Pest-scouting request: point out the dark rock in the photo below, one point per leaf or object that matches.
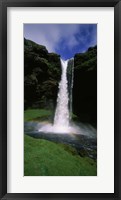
(85, 86)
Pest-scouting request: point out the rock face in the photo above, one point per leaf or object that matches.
(42, 72)
(85, 86)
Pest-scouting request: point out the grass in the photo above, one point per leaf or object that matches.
(37, 114)
(41, 114)
(45, 158)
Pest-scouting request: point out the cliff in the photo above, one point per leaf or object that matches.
(42, 72)
(85, 86)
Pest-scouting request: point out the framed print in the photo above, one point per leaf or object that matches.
(60, 99)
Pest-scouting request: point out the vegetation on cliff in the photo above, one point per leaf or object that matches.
(42, 72)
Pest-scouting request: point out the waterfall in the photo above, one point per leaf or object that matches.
(62, 111)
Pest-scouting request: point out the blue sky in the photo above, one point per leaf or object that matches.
(63, 39)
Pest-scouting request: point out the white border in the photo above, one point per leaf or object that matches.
(104, 182)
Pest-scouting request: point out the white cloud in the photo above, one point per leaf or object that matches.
(52, 35)
(57, 37)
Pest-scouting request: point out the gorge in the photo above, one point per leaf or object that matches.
(42, 72)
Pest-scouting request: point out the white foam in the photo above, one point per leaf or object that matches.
(87, 130)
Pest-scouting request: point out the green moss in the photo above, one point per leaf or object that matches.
(86, 61)
(36, 114)
(45, 158)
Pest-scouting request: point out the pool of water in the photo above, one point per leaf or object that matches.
(84, 142)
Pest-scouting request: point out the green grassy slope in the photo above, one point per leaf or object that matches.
(45, 158)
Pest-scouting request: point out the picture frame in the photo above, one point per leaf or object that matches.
(4, 4)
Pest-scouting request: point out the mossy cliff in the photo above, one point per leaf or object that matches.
(42, 72)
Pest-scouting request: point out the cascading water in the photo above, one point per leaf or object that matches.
(62, 111)
(61, 122)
